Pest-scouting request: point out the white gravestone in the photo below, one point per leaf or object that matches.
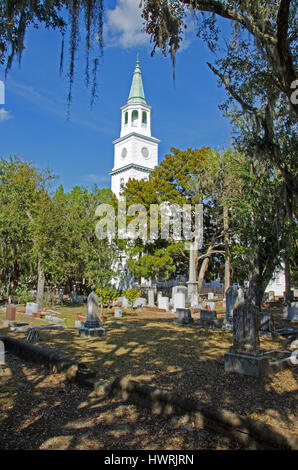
(163, 303)
(179, 301)
(31, 307)
(150, 298)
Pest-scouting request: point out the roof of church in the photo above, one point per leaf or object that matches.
(136, 94)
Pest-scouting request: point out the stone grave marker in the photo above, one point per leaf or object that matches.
(290, 312)
(234, 297)
(245, 356)
(125, 302)
(210, 295)
(266, 324)
(31, 308)
(208, 319)
(11, 312)
(93, 325)
(183, 317)
(2, 353)
(271, 296)
(140, 302)
(179, 301)
(163, 303)
(117, 312)
(151, 298)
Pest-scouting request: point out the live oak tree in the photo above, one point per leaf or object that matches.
(270, 23)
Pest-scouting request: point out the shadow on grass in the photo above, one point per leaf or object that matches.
(187, 360)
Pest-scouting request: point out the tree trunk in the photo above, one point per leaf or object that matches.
(288, 293)
(227, 248)
(203, 270)
(40, 284)
(101, 302)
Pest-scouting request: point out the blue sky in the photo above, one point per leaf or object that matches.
(33, 122)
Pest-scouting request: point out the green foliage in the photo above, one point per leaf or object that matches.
(108, 294)
(131, 294)
(23, 294)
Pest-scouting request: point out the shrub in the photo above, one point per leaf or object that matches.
(131, 294)
(24, 295)
(108, 294)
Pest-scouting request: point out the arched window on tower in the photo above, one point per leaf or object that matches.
(144, 118)
(134, 117)
(126, 118)
(121, 182)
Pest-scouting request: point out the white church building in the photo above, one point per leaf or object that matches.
(135, 151)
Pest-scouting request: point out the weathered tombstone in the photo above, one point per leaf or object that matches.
(271, 296)
(31, 308)
(151, 298)
(125, 302)
(245, 356)
(179, 301)
(211, 306)
(2, 353)
(163, 303)
(93, 325)
(117, 312)
(61, 294)
(266, 324)
(210, 295)
(208, 319)
(234, 296)
(140, 302)
(74, 295)
(290, 312)
(183, 317)
(11, 312)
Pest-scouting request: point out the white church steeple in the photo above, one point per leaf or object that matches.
(136, 151)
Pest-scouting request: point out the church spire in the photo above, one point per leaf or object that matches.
(136, 94)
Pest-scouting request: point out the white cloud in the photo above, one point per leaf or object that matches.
(124, 25)
(4, 115)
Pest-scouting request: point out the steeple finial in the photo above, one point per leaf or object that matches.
(136, 94)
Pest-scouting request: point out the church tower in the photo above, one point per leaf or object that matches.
(135, 151)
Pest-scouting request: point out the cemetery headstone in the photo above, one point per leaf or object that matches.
(2, 353)
(93, 325)
(183, 317)
(125, 302)
(290, 312)
(245, 356)
(271, 296)
(234, 297)
(31, 308)
(117, 312)
(61, 294)
(266, 324)
(74, 295)
(208, 319)
(163, 303)
(11, 312)
(210, 305)
(140, 302)
(210, 295)
(151, 298)
(179, 301)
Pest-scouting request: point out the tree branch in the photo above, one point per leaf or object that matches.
(285, 59)
(213, 6)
